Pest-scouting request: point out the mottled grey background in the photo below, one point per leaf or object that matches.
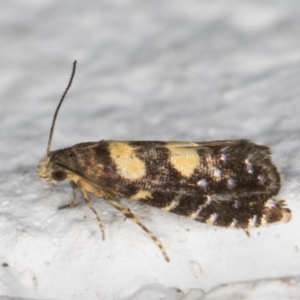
(147, 70)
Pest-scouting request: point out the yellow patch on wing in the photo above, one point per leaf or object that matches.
(184, 157)
(128, 164)
(140, 195)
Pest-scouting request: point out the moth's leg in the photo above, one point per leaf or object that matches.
(128, 214)
(74, 200)
(88, 201)
(247, 232)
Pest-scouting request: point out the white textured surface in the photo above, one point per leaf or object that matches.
(275, 289)
(147, 70)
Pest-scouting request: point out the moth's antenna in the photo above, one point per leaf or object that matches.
(59, 105)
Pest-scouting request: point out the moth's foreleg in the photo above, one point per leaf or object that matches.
(74, 200)
(128, 214)
(89, 203)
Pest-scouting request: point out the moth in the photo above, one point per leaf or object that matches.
(230, 183)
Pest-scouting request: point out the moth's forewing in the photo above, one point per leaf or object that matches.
(223, 182)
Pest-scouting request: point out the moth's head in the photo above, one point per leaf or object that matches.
(50, 169)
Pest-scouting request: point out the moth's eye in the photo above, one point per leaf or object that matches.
(59, 175)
